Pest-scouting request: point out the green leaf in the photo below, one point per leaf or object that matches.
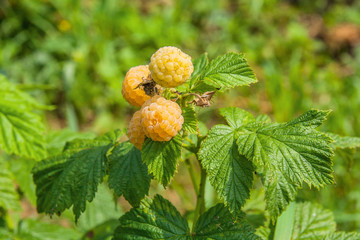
(343, 236)
(280, 191)
(202, 87)
(80, 143)
(230, 173)
(236, 117)
(20, 128)
(103, 231)
(344, 142)
(56, 140)
(36, 230)
(289, 153)
(263, 118)
(218, 223)
(302, 153)
(230, 70)
(312, 118)
(190, 120)
(162, 157)
(154, 219)
(14, 95)
(196, 83)
(263, 232)
(9, 198)
(312, 222)
(102, 209)
(292, 153)
(21, 170)
(309, 222)
(199, 66)
(71, 178)
(128, 175)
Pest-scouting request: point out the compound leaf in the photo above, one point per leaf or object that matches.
(292, 154)
(72, 177)
(154, 219)
(230, 173)
(128, 175)
(288, 154)
(20, 128)
(229, 70)
(162, 157)
(218, 223)
(312, 222)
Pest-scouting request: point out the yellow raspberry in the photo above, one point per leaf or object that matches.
(132, 93)
(135, 131)
(161, 119)
(170, 67)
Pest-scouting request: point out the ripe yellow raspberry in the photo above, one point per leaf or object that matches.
(135, 131)
(170, 67)
(132, 93)
(161, 119)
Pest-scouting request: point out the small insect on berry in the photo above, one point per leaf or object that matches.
(133, 89)
(161, 119)
(170, 67)
(151, 88)
(135, 131)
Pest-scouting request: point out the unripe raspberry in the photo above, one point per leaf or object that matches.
(131, 91)
(135, 131)
(161, 119)
(170, 67)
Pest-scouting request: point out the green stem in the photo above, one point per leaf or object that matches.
(192, 175)
(200, 202)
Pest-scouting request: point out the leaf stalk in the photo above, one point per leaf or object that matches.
(200, 202)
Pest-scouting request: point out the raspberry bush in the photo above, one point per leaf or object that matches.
(247, 159)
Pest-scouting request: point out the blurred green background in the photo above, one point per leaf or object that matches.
(306, 54)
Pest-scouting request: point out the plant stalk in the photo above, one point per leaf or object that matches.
(200, 202)
(192, 175)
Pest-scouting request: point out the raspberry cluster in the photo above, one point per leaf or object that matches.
(159, 119)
